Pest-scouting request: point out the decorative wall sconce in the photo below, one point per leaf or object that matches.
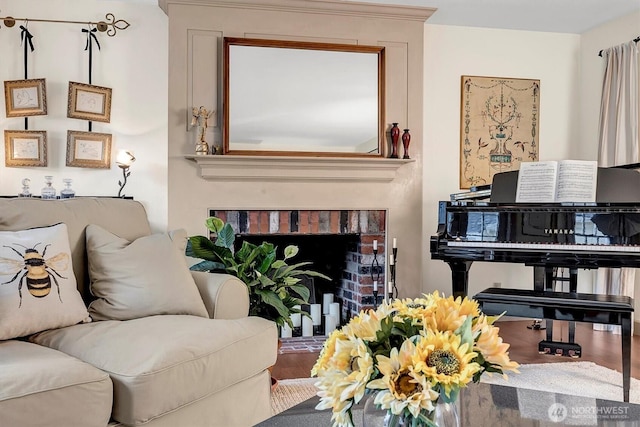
(124, 160)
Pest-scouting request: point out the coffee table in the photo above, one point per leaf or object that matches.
(490, 405)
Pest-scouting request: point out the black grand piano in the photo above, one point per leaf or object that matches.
(547, 237)
(570, 235)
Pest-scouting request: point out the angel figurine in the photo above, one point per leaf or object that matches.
(200, 118)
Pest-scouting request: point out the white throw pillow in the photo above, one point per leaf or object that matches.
(37, 285)
(146, 277)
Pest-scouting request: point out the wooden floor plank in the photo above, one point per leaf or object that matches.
(599, 347)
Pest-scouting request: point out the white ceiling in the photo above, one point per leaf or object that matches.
(557, 16)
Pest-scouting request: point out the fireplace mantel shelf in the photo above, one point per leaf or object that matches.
(358, 169)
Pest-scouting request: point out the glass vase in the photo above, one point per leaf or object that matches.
(444, 415)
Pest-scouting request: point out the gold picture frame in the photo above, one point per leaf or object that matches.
(499, 126)
(25, 97)
(25, 147)
(89, 102)
(88, 149)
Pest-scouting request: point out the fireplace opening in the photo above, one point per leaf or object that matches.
(328, 254)
(338, 243)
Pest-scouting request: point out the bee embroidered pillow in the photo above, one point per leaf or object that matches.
(37, 285)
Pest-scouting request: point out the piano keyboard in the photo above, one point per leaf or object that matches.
(544, 246)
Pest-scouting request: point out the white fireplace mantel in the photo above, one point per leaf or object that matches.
(247, 168)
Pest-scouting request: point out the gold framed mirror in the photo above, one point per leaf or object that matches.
(293, 98)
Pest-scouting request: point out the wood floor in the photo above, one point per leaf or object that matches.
(599, 347)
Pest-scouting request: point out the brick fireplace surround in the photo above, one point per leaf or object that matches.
(354, 290)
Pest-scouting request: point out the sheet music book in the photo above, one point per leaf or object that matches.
(557, 181)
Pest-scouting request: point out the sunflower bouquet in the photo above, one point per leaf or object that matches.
(414, 352)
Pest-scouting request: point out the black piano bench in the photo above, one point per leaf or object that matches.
(590, 308)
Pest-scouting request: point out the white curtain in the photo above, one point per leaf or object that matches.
(618, 144)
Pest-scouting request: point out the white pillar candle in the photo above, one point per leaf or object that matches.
(395, 243)
(334, 310)
(375, 245)
(285, 331)
(375, 286)
(329, 324)
(307, 327)
(390, 290)
(316, 314)
(391, 259)
(295, 318)
(327, 299)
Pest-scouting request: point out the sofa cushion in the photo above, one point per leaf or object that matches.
(161, 363)
(139, 278)
(44, 387)
(126, 218)
(37, 286)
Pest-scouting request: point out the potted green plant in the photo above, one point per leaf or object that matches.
(275, 288)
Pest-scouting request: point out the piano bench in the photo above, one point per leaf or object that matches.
(590, 308)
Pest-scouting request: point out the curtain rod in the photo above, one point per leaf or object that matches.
(110, 26)
(636, 40)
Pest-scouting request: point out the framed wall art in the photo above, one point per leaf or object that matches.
(25, 147)
(25, 97)
(89, 102)
(499, 126)
(88, 149)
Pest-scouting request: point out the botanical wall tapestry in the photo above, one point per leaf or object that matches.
(499, 127)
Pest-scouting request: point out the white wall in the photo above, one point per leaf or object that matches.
(133, 64)
(451, 52)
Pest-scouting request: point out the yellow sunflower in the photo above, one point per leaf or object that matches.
(491, 346)
(449, 313)
(446, 362)
(363, 326)
(417, 309)
(342, 382)
(330, 387)
(327, 352)
(401, 386)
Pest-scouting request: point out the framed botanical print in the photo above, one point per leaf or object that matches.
(88, 149)
(499, 127)
(25, 147)
(89, 102)
(25, 97)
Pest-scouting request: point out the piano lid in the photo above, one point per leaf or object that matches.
(615, 185)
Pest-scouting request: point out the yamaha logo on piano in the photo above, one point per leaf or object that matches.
(558, 231)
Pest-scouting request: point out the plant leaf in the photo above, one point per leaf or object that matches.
(214, 224)
(226, 237)
(301, 290)
(201, 247)
(207, 266)
(290, 251)
(271, 298)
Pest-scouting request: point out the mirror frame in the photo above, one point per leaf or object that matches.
(235, 41)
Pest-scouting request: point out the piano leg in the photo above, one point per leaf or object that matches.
(626, 354)
(459, 277)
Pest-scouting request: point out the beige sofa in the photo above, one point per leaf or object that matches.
(157, 370)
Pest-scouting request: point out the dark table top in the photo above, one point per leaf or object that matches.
(490, 405)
